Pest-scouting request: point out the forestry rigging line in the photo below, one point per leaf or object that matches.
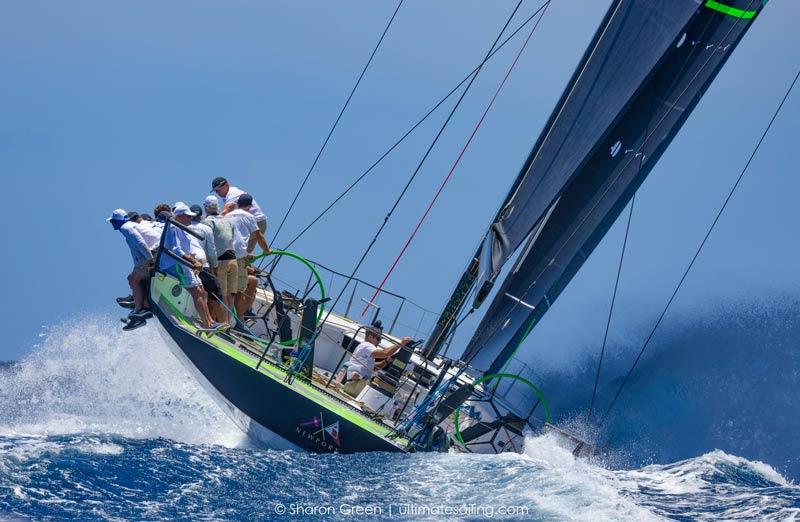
(336, 122)
(412, 129)
(457, 160)
(613, 302)
(699, 249)
(418, 168)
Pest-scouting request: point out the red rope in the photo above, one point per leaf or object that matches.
(456, 162)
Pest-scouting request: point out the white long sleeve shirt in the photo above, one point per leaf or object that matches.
(139, 252)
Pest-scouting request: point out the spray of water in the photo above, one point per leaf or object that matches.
(87, 376)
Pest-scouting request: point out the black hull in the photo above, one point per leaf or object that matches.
(280, 409)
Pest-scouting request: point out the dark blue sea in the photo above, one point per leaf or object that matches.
(100, 425)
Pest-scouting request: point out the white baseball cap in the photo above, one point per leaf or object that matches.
(118, 215)
(211, 202)
(182, 209)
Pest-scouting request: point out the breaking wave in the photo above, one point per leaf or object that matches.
(90, 377)
(100, 425)
(91, 477)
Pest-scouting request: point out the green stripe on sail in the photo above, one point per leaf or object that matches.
(730, 11)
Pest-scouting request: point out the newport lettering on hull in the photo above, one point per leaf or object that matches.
(324, 437)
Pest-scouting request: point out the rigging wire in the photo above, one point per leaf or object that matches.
(419, 166)
(619, 174)
(700, 248)
(413, 128)
(613, 301)
(458, 159)
(336, 122)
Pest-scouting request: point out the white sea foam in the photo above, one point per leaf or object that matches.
(88, 376)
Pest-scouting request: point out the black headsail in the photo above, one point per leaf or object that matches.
(645, 70)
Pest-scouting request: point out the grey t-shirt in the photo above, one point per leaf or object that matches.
(223, 233)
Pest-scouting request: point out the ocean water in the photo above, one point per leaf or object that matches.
(100, 425)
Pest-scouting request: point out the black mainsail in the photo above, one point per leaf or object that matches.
(646, 68)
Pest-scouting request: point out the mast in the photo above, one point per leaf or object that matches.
(646, 68)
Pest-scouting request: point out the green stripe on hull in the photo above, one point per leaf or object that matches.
(276, 374)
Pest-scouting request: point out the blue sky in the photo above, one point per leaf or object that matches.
(113, 104)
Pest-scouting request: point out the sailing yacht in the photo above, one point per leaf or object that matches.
(280, 379)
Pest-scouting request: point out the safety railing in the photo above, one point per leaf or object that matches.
(161, 251)
(518, 396)
(402, 315)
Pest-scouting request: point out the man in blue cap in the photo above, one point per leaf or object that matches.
(142, 262)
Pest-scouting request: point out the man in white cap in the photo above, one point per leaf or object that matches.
(177, 242)
(231, 196)
(142, 261)
(227, 267)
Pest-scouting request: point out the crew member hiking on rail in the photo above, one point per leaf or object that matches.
(142, 262)
(207, 251)
(177, 242)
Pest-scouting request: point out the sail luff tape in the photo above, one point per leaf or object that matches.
(730, 11)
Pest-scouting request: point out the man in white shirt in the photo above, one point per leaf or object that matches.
(231, 195)
(177, 241)
(150, 233)
(142, 261)
(245, 229)
(367, 357)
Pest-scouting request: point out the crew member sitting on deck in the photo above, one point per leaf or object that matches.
(366, 358)
(231, 196)
(177, 242)
(246, 229)
(142, 261)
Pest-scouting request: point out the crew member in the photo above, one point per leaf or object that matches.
(177, 242)
(150, 232)
(142, 261)
(207, 252)
(227, 269)
(245, 230)
(231, 195)
(367, 357)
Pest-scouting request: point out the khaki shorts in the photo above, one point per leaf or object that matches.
(241, 275)
(354, 388)
(251, 243)
(228, 276)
